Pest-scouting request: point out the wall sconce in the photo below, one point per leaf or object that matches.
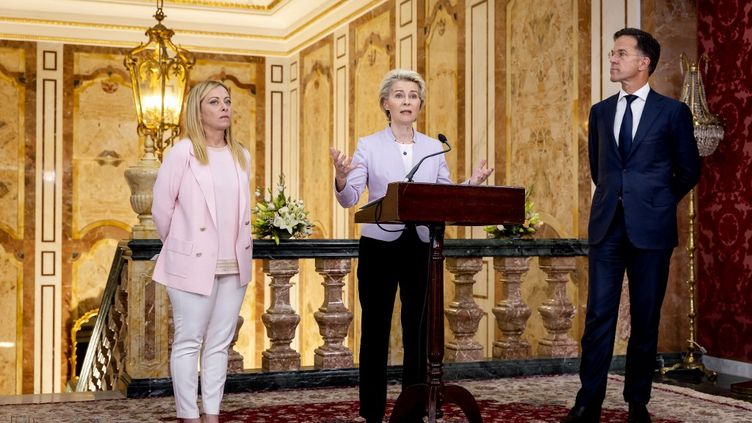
(708, 128)
(159, 77)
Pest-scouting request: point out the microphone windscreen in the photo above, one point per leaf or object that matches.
(442, 138)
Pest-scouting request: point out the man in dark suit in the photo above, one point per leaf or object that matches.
(643, 160)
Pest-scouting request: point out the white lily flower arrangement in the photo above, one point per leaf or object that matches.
(279, 216)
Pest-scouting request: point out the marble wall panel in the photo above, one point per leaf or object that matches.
(105, 143)
(241, 75)
(372, 47)
(540, 146)
(11, 278)
(541, 90)
(443, 72)
(372, 56)
(316, 177)
(99, 142)
(316, 123)
(17, 128)
(89, 276)
(674, 24)
(12, 140)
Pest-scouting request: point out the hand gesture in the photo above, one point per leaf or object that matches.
(481, 173)
(342, 167)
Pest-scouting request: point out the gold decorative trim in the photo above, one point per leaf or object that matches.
(275, 4)
(72, 358)
(100, 42)
(124, 44)
(135, 28)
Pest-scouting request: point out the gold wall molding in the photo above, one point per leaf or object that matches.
(268, 7)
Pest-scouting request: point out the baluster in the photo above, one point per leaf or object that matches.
(234, 358)
(333, 317)
(463, 313)
(557, 311)
(511, 312)
(280, 319)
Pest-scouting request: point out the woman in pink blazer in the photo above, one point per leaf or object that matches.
(392, 255)
(201, 208)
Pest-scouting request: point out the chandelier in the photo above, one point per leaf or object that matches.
(159, 76)
(708, 127)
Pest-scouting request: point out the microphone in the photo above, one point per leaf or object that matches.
(443, 139)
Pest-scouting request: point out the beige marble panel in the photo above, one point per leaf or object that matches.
(12, 59)
(90, 272)
(674, 24)
(104, 145)
(444, 77)
(316, 178)
(10, 279)
(372, 51)
(542, 129)
(241, 75)
(541, 91)
(12, 141)
(316, 118)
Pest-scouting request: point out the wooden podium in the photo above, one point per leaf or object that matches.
(435, 206)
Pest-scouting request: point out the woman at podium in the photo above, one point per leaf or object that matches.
(393, 255)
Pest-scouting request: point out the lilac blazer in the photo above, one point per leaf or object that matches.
(379, 163)
(185, 214)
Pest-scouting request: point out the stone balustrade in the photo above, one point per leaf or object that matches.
(511, 260)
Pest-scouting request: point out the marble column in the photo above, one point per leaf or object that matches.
(148, 322)
(333, 317)
(463, 313)
(280, 319)
(557, 311)
(511, 312)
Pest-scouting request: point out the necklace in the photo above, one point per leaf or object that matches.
(410, 141)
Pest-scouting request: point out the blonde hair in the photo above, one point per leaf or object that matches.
(194, 127)
(395, 75)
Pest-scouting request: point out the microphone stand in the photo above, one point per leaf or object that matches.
(443, 139)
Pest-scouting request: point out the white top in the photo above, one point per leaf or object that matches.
(406, 152)
(225, 178)
(638, 105)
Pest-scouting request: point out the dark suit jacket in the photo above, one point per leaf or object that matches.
(662, 166)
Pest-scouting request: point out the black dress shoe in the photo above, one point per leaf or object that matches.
(582, 414)
(638, 413)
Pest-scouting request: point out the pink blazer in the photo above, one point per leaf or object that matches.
(185, 214)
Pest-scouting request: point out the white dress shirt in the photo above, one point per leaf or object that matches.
(638, 105)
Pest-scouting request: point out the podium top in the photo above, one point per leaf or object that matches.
(464, 205)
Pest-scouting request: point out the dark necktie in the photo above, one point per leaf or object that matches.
(625, 132)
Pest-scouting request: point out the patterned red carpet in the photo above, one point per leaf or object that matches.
(512, 400)
(344, 412)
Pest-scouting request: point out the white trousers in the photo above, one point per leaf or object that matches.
(204, 326)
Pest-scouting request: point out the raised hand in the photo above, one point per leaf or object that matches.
(342, 167)
(481, 173)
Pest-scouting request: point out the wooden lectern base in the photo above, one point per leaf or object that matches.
(436, 205)
(429, 397)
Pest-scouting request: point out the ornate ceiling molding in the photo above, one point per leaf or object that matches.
(252, 27)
